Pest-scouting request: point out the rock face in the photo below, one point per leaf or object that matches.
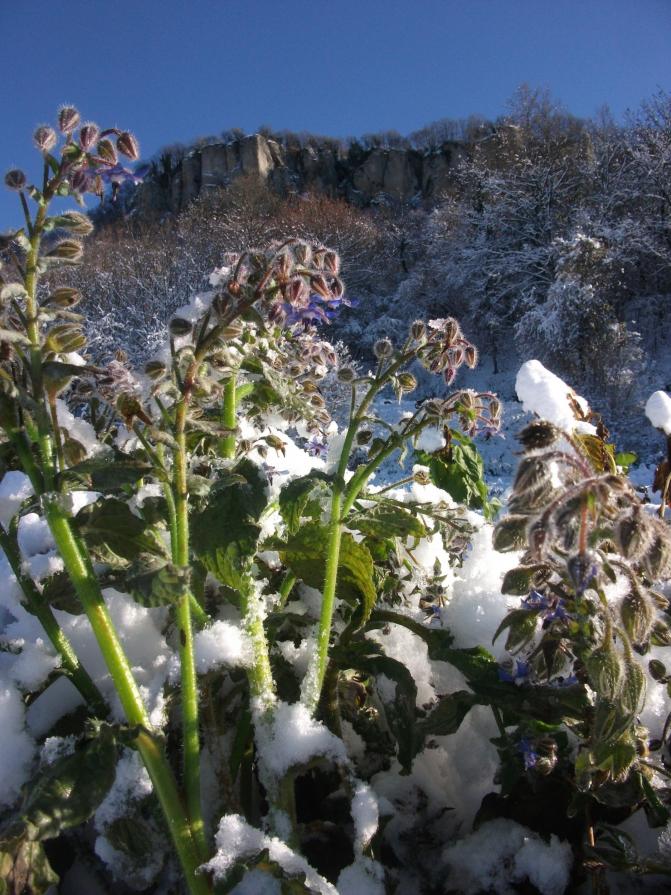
(361, 176)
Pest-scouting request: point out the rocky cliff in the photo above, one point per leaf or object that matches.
(362, 176)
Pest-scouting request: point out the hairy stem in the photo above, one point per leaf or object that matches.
(190, 723)
(229, 417)
(36, 604)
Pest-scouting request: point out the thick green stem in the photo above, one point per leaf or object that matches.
(42, 611)
(229, 417)
(189, 694)
(165, 788)
(260, 675)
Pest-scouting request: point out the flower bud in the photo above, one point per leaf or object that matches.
(298, 293)
(45, 138)
(75, 222)
(319, 285)
(420, 474)
(495, 409)
(418, 330)
(15, 179)
(582, 569)
(471, 356)
(232, 331)
(383, 349)
(363, 436)
(155, 370)
(88, 136)
(64, 338)
(633, 535)
(277, 314)
(127, 145)
(451, 330)
(64, 297)
(606, 672)
(332, 262)
(302, 253)
(68, 250)
(537, 435)
(406, 382)
(107, 152)
(637, 616)
(346, 374)
(180, 327)
(80, 181)
(337, 287)
(68, 119)
(633, 686)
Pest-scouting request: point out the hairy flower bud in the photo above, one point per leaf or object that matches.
(88, 136)
(537, 435)
(68, 119)
(346, 374)
(383, 349)
(582, 569)
(107, 152)
(80, 181)
(633, 534)
(637, 616)
(471, 356)
(75, 222)
(633, 686)
(155, 370)
(64, 297)
(319, 285)
(128, 145)
(363, 436)
(332, 262)
(67, 250)
(15, 179)
(420, 474)
(64, 338)
(418, 330)
(298, 293)
(407, 382)
(302, 253)
(180, 327)
(45, 138)
(277, 314)
(606, 671)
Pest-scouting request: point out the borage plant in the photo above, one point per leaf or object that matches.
(174, 495)
(590, 626)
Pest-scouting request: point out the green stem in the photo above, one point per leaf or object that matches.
(190, 723)
(261, 683)
(285, 589)
(229, 417)
(36, 604)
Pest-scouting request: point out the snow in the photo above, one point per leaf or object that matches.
(365, 814)
(545, 394)
(131, 784)
(501, 853)
(236, 839)
(222, 643)
(658, 411)
(291, 737)
(15, 487)
(79, 429)
(17, 748)
(364, 877)
(430, 440)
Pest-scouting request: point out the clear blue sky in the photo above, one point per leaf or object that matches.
(172, 70)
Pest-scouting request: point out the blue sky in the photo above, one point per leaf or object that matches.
(172, 70)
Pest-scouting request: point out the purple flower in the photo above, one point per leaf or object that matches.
(317, 447)
(550, 607)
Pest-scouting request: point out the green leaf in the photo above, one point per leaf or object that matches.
(386, 520)
(305, 555)
(401, 713)
(109, 472)
(625, 459)
(225, 532)
(459, 470)
(109, 523)
(447, 716)
(162, 585)
(520, 580)
(510, 533)
(59, 593)
(303, 497)
(438, 640)
(66, 793)
(521, 625)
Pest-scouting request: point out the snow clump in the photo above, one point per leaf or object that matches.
(543, 393)
(658, 411)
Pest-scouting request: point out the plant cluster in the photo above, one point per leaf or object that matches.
(223, 600)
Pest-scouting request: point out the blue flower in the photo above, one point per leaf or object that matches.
(518, 675)
(526, 747)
